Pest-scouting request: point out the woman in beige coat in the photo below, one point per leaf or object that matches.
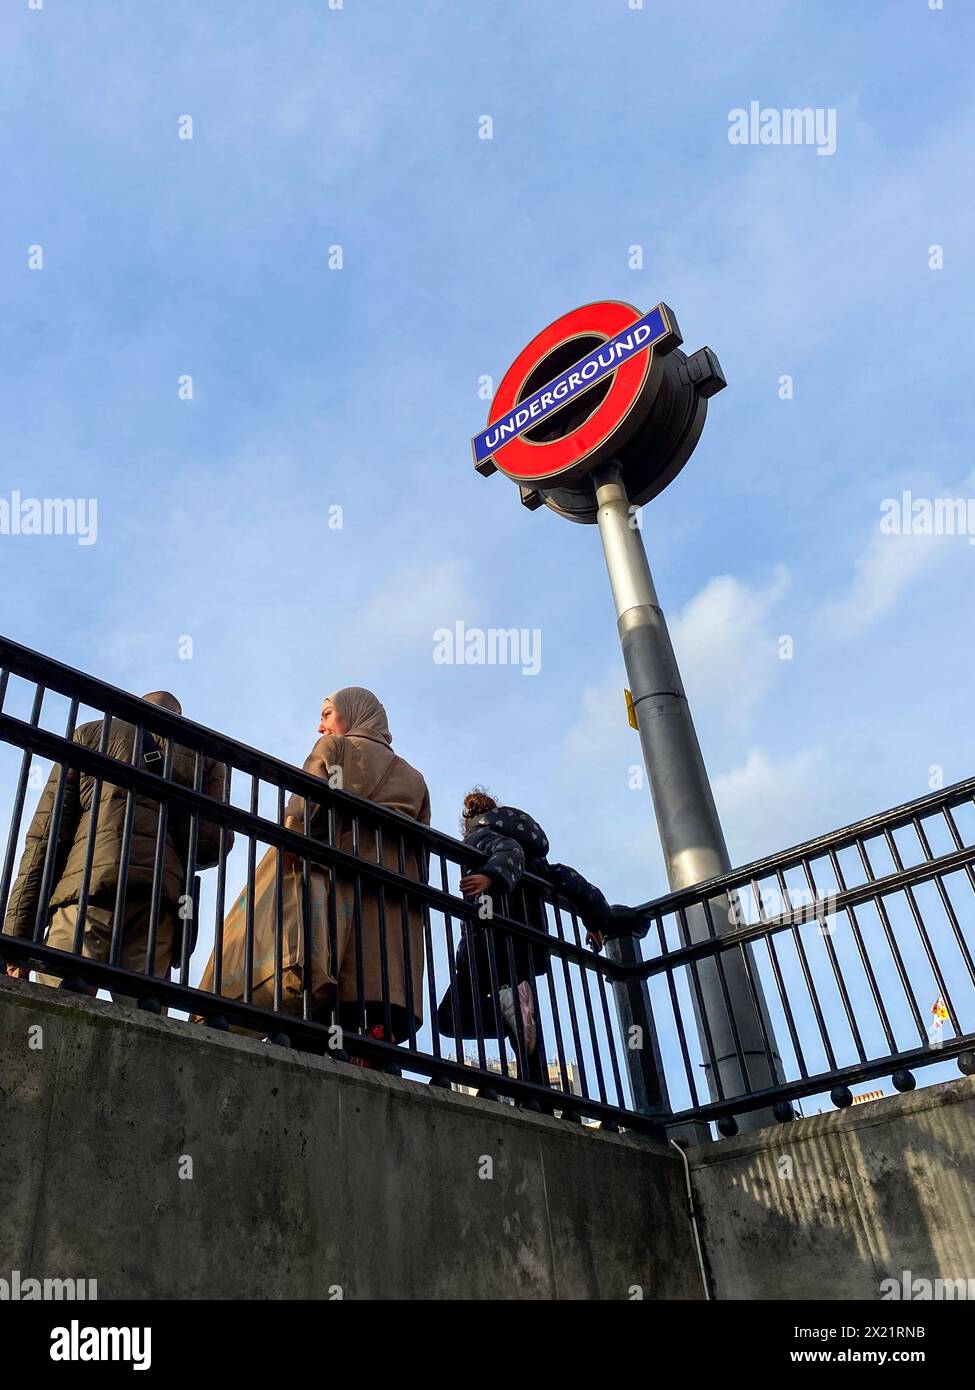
(354, 754)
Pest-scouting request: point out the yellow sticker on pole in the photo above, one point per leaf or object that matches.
(630, 710)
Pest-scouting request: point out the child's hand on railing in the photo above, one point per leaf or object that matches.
(473, 884)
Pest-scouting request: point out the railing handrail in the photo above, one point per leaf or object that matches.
(894, 819)
(810, 912)
(69, 682)
(66, 752)
(33, 665)
(260, 821)
(287, 1029)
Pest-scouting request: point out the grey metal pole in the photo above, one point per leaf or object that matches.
(690, 832)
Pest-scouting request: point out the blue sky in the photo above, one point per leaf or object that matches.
(358, 387)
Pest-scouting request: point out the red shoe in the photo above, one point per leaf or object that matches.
(378, 1032)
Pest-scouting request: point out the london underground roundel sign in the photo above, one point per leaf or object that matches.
(575, 394)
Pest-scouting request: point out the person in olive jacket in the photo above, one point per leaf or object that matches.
(72, 844)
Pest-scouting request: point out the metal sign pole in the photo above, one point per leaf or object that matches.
(690, 832)
(631, 437)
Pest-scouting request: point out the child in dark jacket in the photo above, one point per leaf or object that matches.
(515, 844)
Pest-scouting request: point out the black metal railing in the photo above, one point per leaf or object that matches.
(843, 943)
(864, 960)
(577, 1065)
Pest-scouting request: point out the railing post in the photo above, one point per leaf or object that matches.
(643, 1059)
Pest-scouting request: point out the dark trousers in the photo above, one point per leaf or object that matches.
(457, 1012)
(349, 1018)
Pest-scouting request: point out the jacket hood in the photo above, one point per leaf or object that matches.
(516, 825)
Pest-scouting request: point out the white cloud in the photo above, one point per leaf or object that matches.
(411, 603)
(601, 730)
(726, 647)
(726, 650)
(769, 804)
(883, 570)
(890, 560)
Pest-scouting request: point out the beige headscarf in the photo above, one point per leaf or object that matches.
(363, 712)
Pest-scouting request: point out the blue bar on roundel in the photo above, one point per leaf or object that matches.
(573, 382)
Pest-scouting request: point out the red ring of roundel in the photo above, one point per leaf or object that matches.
(525, 462)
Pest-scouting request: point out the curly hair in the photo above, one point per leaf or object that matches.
(477, 800)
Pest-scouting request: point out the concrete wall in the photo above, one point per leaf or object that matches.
(308, 1175)
(829, 1206)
